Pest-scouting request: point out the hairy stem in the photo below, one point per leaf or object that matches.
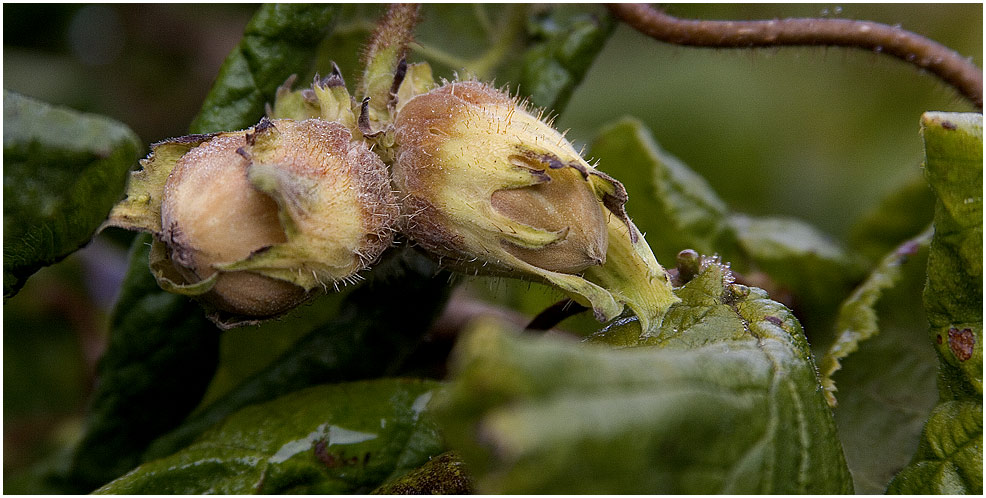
(915, 49)
(387, 46)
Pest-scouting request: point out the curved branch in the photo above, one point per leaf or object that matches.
(915, 49)
(554, 314)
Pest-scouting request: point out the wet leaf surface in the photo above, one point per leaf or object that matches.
(341, 438)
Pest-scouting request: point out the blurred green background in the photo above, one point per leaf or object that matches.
(819, 134)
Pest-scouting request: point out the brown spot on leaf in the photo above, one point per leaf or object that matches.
(939, 339)
(323, 455)
(775, 320)
(330, 460)
(962, 343)
(948, 125)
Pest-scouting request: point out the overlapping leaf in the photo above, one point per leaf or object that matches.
(724, 400)
(886, 388)
(857, 319)
(62, 172)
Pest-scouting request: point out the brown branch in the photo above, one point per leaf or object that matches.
(554, 314)
(915, 49)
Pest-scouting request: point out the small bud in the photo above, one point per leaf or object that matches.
(489, 187)
(253, 221)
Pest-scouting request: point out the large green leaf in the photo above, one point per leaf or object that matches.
(724, 400)
(950, 457)
(379, 326)
(563, 49)
(161, 354)
(62, 172)
(342, 438)
(279, 40)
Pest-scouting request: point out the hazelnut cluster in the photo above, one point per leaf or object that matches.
(253, 222)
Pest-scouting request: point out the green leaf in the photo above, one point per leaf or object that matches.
(488, 39)
(249, 350)
(279, 40)
(886, 388)
(949, 459)
(161, 354)
(801, 258)
(342, 438)
(380, 325)
(954, 295)
(63, 171)
(725, 400)
(857, 318)
(562, 52)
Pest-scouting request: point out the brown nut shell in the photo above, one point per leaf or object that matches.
(211, 214)
(482, 178)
